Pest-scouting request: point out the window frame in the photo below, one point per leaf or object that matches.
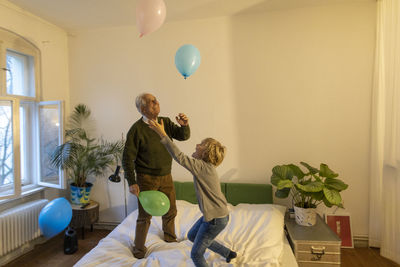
(61, 173)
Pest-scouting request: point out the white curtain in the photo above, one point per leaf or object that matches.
(384, 219)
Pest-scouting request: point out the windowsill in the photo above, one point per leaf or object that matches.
(27, 191)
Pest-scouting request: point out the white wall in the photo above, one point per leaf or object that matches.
(275, 88)
(52, 42)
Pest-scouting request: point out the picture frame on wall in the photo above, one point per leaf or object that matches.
(341, 225)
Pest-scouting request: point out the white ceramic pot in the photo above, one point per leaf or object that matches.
(305, 217)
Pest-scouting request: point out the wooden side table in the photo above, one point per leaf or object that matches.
(85, 216)
(314, 245)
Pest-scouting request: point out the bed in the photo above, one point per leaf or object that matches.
(255, 231)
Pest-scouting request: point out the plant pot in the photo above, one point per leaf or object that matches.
(80, 195)
(305, 217)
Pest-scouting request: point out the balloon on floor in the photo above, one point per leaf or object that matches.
(55, 217)
(150, 15)
(155, 203)
(187, 59)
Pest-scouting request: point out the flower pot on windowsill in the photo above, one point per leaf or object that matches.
(305, 216)
(80, 195)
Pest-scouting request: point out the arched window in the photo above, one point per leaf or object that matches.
(29, 129)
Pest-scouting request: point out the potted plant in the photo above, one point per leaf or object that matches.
(308, 189)
(82, 156)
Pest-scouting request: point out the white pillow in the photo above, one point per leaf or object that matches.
(255, 231)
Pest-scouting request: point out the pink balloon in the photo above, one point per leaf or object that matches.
(150, 15)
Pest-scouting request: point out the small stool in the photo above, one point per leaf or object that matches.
(85, 216)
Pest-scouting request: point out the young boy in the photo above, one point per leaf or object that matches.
(208, 155)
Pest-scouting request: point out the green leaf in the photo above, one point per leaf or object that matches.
(332, 196)
(311, 169)
(335, 184)
(296, 171)
(326, 202)
(311, 187)
(284, 184)
(275, 179)
(326, 172)
(283, 193)
(283, 172)
(318, 195)
(317, 178)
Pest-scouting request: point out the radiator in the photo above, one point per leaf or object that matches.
(20, 225)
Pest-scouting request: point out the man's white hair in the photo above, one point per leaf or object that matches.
(140, 102)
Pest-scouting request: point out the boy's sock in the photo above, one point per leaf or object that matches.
(231, 255)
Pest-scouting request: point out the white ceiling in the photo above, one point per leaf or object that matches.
(75, 15)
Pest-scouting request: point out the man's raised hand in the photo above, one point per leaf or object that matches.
(182, 119)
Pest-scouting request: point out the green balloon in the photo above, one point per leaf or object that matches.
(155, 203)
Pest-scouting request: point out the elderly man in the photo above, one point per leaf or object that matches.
(145, 154)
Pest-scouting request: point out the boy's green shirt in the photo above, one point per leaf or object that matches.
(143, 151)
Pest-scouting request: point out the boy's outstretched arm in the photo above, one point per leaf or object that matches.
(190, 164)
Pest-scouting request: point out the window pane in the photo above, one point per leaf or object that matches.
(20, 75)
(6, 145)
(27, 143)
(49, 139)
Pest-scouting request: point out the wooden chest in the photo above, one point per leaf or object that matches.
(314, 245)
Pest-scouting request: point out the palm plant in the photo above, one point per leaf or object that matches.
(81, 155)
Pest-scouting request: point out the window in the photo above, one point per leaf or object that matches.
(29, 129)
(20, 74)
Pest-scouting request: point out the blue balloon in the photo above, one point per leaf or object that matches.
(187, 59)
(55, 217)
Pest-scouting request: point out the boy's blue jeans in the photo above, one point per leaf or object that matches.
(202, 234)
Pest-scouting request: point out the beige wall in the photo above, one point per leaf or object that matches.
(304, 77)
(277, 87)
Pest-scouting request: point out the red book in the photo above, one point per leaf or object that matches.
(340, 224)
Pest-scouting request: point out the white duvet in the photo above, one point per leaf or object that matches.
(254, 231)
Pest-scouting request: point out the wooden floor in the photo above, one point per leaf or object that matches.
(361, 257)
(52, 254)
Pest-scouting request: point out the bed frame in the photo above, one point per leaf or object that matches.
(235, 193)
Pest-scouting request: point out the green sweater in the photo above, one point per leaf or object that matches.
(143, 151)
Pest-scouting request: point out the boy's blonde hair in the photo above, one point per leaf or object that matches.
(214, 152)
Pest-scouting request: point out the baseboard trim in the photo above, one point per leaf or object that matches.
(360, 241)
(105, 225)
